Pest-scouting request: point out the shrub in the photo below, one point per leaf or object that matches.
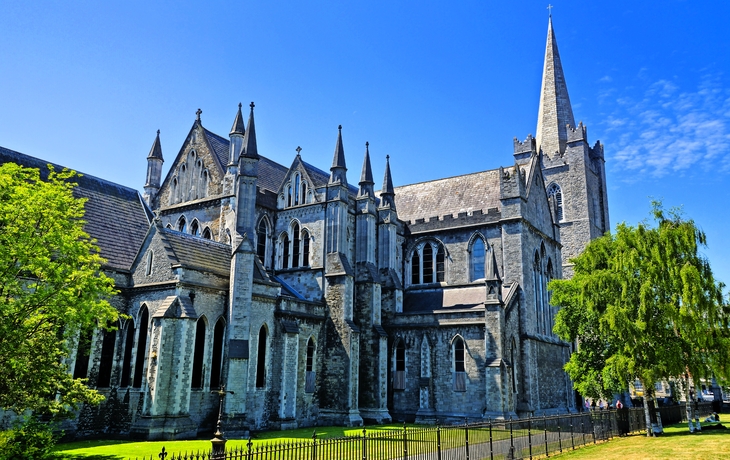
(28, 439)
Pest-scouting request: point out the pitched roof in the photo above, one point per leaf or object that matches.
(449, 196)
(197, 253)
(115, 215)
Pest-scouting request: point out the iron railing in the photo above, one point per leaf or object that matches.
(523, 438)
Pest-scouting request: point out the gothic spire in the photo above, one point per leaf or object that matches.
(555, 111)
(249, 141)
(238, 127)
(387, 194)
(156, 150)
(338, 168)
(366, 178)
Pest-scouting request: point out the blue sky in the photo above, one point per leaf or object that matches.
(441, 87)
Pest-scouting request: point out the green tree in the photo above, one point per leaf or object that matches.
(643, 305)
(51, 288)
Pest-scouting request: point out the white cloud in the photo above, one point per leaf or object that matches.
(670, 129)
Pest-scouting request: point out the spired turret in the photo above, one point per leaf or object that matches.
(338, 171)
(154, 171)
(236, 137)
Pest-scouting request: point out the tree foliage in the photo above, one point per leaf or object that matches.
(643, 304)
(51, 288)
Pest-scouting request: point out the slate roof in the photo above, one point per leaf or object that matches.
(271, 173)
(115, 215)
(444, 299)
(448, 196)
(197, 253)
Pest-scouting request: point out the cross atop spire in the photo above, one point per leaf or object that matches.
(298, 149)
(550, 10)
(250, 148)
(555, 111)
(197, 115)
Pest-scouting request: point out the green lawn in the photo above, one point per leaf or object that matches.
(118, 450)
(676, 443)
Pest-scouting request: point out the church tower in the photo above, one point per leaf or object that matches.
(575, 175)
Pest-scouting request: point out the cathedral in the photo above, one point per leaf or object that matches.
(316, 299)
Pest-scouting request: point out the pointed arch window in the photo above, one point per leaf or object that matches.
(206, 234)
(288, 196)
(182, 226)
(197, 377)
(141, 347)
(106, 362)
(305, 248)
(399, 380)
(428, 263)
(150, 256)
(261, 359)
(127, 359)
(309, 378)
(262, 236)
(195, 228)
(217, 358)
(285, 250)
(296, 245)
(297, 183)
(478, 257)
(556, 195)
(83, 351)
(459, 365)
(305, 197)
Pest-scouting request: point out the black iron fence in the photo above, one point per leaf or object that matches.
(523, 438)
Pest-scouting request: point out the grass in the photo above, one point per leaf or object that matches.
(118, 450)
(675, 443)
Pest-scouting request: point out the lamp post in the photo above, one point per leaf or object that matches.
(218, 441)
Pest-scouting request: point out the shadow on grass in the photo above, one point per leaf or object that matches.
(61, 456)
(708, 429)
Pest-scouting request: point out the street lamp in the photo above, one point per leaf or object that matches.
(218, 441)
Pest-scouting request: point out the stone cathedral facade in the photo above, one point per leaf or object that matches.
(318, 300)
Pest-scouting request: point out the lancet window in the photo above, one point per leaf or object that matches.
(477, 258)
(555, 194)
(309, 378)
(428, 263)
(459, 366)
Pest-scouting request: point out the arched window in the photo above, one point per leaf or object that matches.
(168, 226)
(556, 195)
(285, 250)
(549, 308)
(197, 377)
(305, 198)
(478, 253)
(217, 358)
(127, 360)
(83, 350)
(415, 268)
(175, 191)
(262, 235)
(539, 284)
(459, 365)
(296, 189)
(195, 228)
(428, 263)
(148, 271)
(141, 347)
(399, 380)
(181, 224)
(288, 196)
(206, 234)
(514, 365)
(305, 248)
(309, 368)
(261, 359)
(107, 359)
(296, 246)
(204, 185)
